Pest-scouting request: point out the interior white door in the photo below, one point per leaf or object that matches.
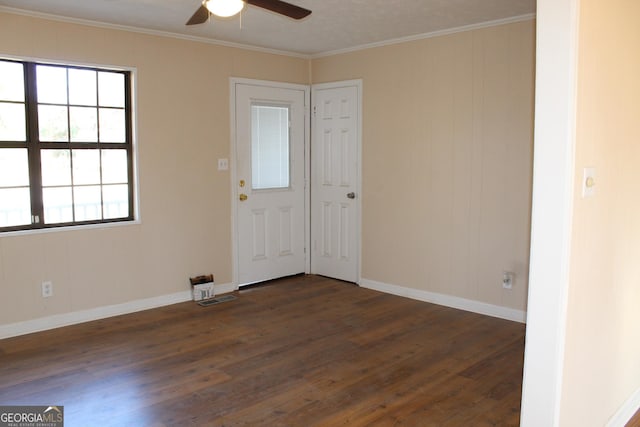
(334, 181)
(270, 182)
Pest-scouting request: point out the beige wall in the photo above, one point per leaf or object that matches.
(447, 159)
(183, 128)
(602, 356)
(447, 153)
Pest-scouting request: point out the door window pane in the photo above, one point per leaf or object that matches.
(13, 126)
(12, 81)
(269, 147)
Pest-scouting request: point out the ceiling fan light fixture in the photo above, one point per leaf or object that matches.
(224, 8)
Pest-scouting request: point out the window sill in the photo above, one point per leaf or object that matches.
(69, 228)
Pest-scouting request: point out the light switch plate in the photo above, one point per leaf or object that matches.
(223, 164)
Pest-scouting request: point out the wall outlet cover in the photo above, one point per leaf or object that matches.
(47, 289)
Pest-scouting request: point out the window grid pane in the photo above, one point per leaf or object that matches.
(115, 201)
(86, 167)
(87, 203)
(83, 87)
(115, 167)
(15, 207)
(56, 167)
(112, 125)
(12, 81)
(84, 124)
(14, 167)
(111, 89)
(51, 84)
(13, 122)
(53, 121)
(58, 205)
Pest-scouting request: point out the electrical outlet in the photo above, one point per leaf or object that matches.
(47, 289)
(507, 280)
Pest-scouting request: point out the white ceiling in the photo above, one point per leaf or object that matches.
(334, 25)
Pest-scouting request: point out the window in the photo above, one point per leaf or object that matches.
(269, 147)
(65, 146)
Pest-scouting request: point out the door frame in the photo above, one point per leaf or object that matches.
(357, 83)
(233, 82)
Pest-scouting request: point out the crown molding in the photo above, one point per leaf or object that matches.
(199, 39)
(147, 31)
(439, 33)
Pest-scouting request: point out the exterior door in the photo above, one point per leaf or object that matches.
(335, 203)
(269, 183)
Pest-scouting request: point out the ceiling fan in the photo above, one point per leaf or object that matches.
(226, 8)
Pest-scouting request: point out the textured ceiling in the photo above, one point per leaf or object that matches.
(334, 24)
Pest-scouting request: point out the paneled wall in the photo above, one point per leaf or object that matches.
(183, 128)
(447, 154)
(447, 160)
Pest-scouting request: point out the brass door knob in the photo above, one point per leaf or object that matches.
(243, 197)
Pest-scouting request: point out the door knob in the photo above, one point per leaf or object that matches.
(351, 195)
(243, 197)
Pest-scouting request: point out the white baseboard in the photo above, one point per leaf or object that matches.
(75, 317)
(626, 411)
(448, 301)
(225, 288)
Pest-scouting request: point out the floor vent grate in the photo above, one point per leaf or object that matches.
(217, 300)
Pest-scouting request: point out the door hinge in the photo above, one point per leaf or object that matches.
(314, 111)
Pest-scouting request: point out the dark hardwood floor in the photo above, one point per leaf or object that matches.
(634, 421)
(302, 351)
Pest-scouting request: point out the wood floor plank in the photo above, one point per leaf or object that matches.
(634, 421)
(301, 351)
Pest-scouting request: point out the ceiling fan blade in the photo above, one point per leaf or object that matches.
(283, 8)
(200, 17)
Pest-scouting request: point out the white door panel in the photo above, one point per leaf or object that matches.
(334, 194)
(270, 182)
